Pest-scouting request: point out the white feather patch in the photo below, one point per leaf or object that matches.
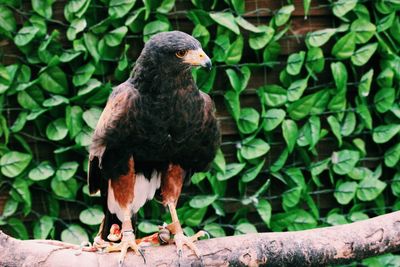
(144, 189)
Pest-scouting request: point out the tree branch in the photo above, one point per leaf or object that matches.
(323, 246)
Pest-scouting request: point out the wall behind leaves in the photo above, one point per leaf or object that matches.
(326, 130)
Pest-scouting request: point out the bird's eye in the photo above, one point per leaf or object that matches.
(181, 53)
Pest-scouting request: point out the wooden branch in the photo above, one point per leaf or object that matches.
(323, 246)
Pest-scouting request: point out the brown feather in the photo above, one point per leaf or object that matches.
(123, 187)
(171, 184)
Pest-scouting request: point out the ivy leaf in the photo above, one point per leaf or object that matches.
(362, 55)
(320, 37)
(296, 89)
(384, 133)
(344, 48)
(364, 30)
(385, 78)
(272, 119)
(254, 148)
(384, 99)
(14, 163)
(57, 130)
(64, 189)
(260, 40)
(166, 6)
(345, 192)
(54, 81)
(232, 169)
(392, 155)
(83, 74)
(91, 116)
(202, 201)
(315, 60)
(339, 74)
(147, 227)
(251, 173)
(280, 162)
(274, 95)
(335, 126)
(234, 53)
(295, 62)
(291, 197)
(25, 35)
(91, 216)
(154, 27)
(55, 100)
(18, 228)
(119, 8)
(43, 171)
(239, 6)
(202, 34)
(264, 209)
(248, 120)
(77, 26)
(283, 15)
(290, 133)
(247, 25)
(43, 227)
(365, 83)
(73, 120)
(8, 25)
(349, 124)
(396, 184)
(67, 170)
(74, 234)
(227, 20)
(344, 161)
(386, 22)
(245, 228)
(115, 37)
(214, 229)
(233, 105)
(370, 188)
(341, 7)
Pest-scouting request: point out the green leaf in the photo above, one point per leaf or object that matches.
(239, 6)
(73, 120)
(119, 8)
(233, 104)
(349, 124)
(240, 80)
(274, 95)
(345, 192)
(232, 169)
(166, 6)
(65, 189)
(362, 55)
(25, 35)
(214, 229)
(91, 216)
(8, 24)
(359, 173)
(365, 83)
(364, 30)
(83, 74)
(248, 120)
(370, 188)
(295, 62)
(254, 148)
(18, 228)
(54, 81)
(335, 126)
(74, 234)
(147, 227)
(43, 227)
(115, 37)
(247, 25)
(384, 133)
(385, 78)
(272, 118)
(219, 161)
(84, 137)
(67, 170)
(302, 107)
(43, 171)
(92, 45)
(291, 197)
(344, 161)
(344, 48)
(202, 201)
(198, 177)
(283, 14)
(234, 53)
(91, 116)
(264, 209)
(57, 130)
(10, 207)
(245, 228)
(384, 99)
(77, 26)
(290, 133)
(392, 155)
(154, 27)
(14, 163)
(386, 22)
(260, 40)
(341, 7)
(280, 162)
(202, 34)
(227, 20)
(315, 60)
(296, 89)
(320, 37)
(55, 100)
(251, 173)
(396, 184)
(336, 219)
(339, 74)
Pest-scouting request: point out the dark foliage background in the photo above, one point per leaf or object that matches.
(309, 111)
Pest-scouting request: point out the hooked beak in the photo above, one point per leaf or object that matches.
(197, 58)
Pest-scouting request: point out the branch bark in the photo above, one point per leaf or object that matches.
(316, 247)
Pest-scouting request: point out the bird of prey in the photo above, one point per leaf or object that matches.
(156, 128)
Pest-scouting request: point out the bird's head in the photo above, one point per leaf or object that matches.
(175, 51)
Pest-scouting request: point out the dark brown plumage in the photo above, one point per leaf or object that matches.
(156, 126)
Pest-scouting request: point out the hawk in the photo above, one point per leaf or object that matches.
(156, 128)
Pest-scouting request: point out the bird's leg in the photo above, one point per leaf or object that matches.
(179, 237)
(127, 241)
(170, 190)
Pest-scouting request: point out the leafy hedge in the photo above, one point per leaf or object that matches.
(339, 94)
